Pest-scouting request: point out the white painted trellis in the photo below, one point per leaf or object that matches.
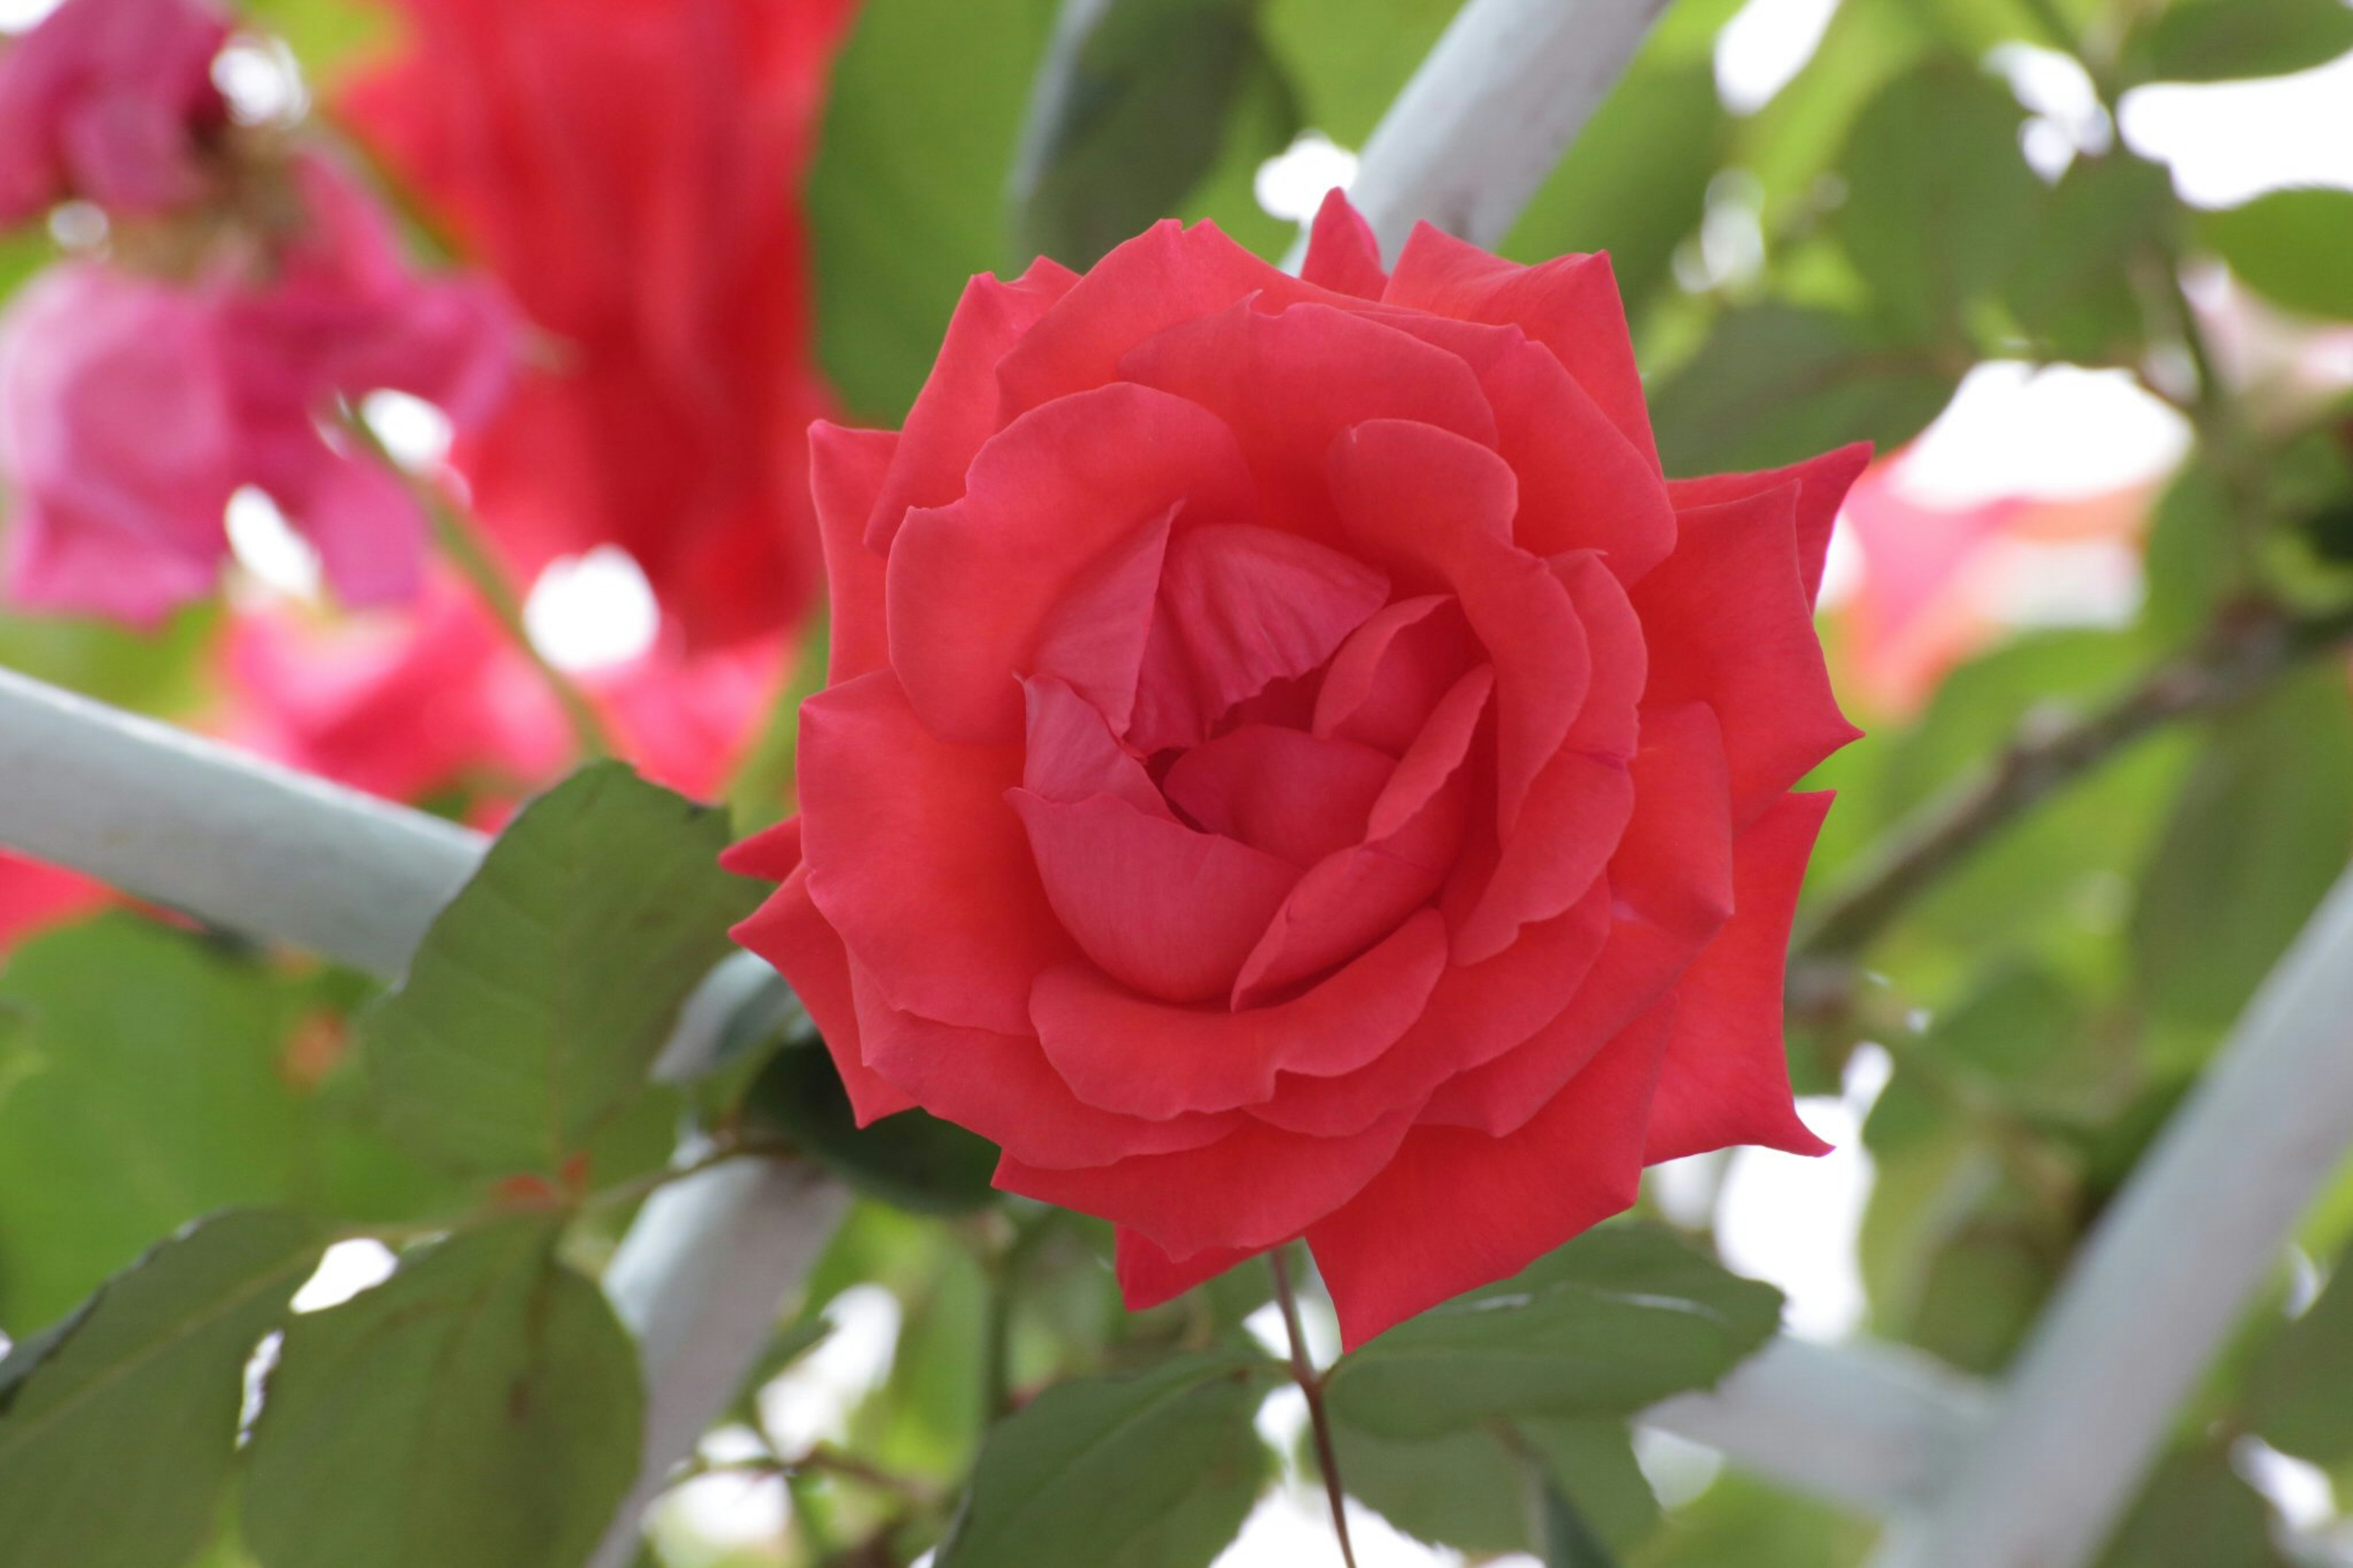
(2028, 1474)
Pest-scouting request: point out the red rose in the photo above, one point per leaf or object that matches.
(628, 170)
(1292, 767)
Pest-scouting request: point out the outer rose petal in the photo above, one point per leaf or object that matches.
(972, 585)
(1250, 1190)
(1428, 500)
(1569, 305)
(1147, 1276)
(1165, 275)
(1410, 1240)
(1726, 1080)
(845, 471)
(1000, 1087)
(1342, 254)
(1729, 623)
(1124, 1053)
(918, 862)
(1287, 384)
(1822, 483)
(956, 411)
(788, 932)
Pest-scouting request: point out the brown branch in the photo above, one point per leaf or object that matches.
(1311, 1383)
(2244, 655)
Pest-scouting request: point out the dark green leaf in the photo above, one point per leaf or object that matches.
(1130, 111)
(127, 1109)
(480, 1409)
(1156, 1470)
(1616, 1320)
(1479, 1489)
(1772, 385)
(1939, 200)
(913, 1158)
(2193, 562)
(2290, 247)
(118, 1437)
(543, 992)
(1743, 1524)
(2259, 831)
(2196, 1514)
(906, 201)
(2212, 40)
(1568, 1540)
(2295, 1397)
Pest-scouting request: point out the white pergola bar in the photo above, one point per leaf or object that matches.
(2162, 1280)
(1486, 119)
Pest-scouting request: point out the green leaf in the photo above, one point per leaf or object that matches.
(906, 201)
(130, 1109)
(2214, 40)
(2196, 1514)
(2295, 1390)
(2258, 832)
(913, 1158)
(543, 992)
(1939, 200)
(1479, 1488)
(2290, 247)
(120, 1433)
(480, 1409)
(328, 36)
(1618, 1319)
(1747, 1523)
(2070, 284)
(2192, 559)
(1130, 112)
(1772, 385)
(1568, 1540)
(1154, 1470)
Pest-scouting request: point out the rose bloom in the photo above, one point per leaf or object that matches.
(131, 408)
(112, 100)
(629, 170)
(1293, 767)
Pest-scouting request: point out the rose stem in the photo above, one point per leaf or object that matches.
(1311, 1383)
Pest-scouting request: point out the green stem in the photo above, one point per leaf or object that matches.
(1311, 1383)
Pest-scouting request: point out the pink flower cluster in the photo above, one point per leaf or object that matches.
(132, 406)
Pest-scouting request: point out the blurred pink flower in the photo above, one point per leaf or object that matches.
(111, 100)
(435, 699)
(130, 409)
(34, 896)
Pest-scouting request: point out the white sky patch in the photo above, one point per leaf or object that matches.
(2067, 119)
(416, 433)
(263, 84)
(348, 1268)
(814, 1399)
(79, 226)
(592, 611)
(1294, 183)
(266, 545)
(23, 15)
(2228, 142)
(1766, 44)
(1293, 1526)
(1841, 571)
(1793, 1222)
(2036, 583)
(2301, 1492)
(1678, 1470)
(2051, 433)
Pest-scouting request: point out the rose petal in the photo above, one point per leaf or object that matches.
(1388, 678)
(1822, 483)
(971, 584)
(1073, 753)
(1239, 609)
(1726, 1077)
(956, 411)
(1609, 722)
(1166, 909)
(845, 472)
(1283, 791)
(1147, 1276)
(1576, 810)
(1342, 254)
(918, 862)
(1000, 1087)
(1252, 1189)
(1095, 639)
(1728, 623)
(1289, 382)
(1569, 305)
(1441, 506)
(1410, 1240)
(1124, 1053)
(791, 934)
